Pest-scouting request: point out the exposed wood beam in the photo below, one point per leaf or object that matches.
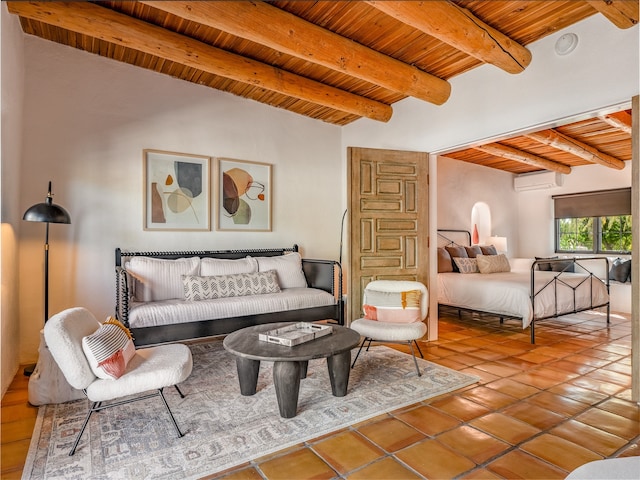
(575, 147)
(267, 25)
(622, 13)
(459, 28)
(619, 120)
(511, 153)
(104, 24)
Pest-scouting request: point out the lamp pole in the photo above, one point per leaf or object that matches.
(47, 212)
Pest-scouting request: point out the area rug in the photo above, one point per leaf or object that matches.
(223, 428)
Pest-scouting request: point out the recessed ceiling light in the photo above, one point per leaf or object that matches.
(566, 43)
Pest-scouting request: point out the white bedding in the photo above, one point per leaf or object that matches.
(164, 312)
(509, 293)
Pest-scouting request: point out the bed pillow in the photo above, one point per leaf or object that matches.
(198, 288)
(223, 266)
(445, 264)
(620, 270)
(393, 307)
(493, 263)
(566, 267)
(288, 268)
(109, 349)
(456, 251)
(545, 266)
(473, 250)
(159, 279)
(466, 265)
(488, 250)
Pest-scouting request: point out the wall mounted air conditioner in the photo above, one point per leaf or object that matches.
(537, 181)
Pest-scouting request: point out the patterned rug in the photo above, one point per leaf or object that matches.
(223, 429)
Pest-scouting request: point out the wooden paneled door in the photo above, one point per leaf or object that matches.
(388, 219)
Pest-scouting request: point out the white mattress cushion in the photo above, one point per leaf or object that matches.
(159, 279)
(288, 268)
(149, 314)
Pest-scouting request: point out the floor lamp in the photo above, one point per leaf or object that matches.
(47, 212)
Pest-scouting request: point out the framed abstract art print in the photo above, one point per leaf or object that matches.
(176, 191)
(244, 195)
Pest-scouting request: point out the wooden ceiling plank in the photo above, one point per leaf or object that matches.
(619, 120)
(283, 31)
(459, 28)
(555, 139)
(98, 22)
(521, 156)
(622, 13)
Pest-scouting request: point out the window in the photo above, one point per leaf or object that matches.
(593, 222)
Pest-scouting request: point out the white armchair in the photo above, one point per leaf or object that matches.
(387, 318)
(148, 369)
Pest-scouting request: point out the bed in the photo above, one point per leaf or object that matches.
(526, 292)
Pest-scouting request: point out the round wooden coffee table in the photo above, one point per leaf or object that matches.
(290, 363)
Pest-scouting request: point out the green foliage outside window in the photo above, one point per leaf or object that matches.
(594, 234)
(616, 233)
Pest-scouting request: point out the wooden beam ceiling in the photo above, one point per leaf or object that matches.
(338, 61)
(576, 147)
(619, 120)
(622, 13)
(514, 154)
(458, 27)
(95, 21)
(282, 31)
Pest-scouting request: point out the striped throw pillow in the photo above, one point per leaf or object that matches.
(109, 349)
(393, 307)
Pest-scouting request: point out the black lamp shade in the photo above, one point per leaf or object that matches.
(47, 212)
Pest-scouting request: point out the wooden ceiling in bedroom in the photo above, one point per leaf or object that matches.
(338, 61)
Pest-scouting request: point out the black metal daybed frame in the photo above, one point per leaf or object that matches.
(568, 265)
(320, 274)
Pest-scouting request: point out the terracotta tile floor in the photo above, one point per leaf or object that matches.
(539, 411)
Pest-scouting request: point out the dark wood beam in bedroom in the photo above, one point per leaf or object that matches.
(104, 24)
(622, 13)
(282, 31)
(555, 139)
(511, 153)
(619, 120)
(461, 29)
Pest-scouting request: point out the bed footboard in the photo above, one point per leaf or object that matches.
(564, 266)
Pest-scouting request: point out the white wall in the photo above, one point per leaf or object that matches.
(87, 120)
(461, 185)
(535, 207)
(12, 47)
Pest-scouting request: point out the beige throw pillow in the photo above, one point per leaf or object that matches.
(493, 263)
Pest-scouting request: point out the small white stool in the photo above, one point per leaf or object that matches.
(393, 332)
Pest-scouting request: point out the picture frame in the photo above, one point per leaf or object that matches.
(244, 198)
(177, 191)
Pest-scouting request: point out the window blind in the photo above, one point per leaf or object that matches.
(603, 203)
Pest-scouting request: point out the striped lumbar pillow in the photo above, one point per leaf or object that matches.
(393, 307)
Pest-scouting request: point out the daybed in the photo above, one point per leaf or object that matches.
(541, 289)
(170, 296)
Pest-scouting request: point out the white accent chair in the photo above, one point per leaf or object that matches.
(150, 369)
(391, 332)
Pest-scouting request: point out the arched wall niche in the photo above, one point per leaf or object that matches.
(480, 222)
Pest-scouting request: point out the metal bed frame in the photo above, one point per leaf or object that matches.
(569, 265)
